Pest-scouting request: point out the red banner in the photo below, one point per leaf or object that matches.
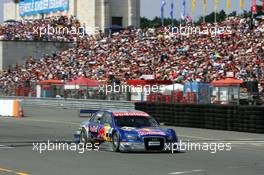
(254, 7)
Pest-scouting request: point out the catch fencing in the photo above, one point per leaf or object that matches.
(222, 117)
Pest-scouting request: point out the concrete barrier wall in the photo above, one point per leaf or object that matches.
(76, 103)
(12, 52)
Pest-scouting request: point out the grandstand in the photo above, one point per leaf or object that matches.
(101, 14)
(135, 52)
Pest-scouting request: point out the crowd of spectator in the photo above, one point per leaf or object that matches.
(134, 52)
(57, 28)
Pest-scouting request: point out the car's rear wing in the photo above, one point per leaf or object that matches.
(87, 112)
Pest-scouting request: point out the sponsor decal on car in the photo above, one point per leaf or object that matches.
(128, 128)
(151, 133)
(120, 114)
(108, 133)
(152, 143)
(101, 132)
(93, 128)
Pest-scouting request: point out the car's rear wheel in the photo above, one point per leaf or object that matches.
(116, 142)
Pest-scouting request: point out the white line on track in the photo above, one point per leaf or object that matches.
(194, 137)
(187, 172)
(5, 147)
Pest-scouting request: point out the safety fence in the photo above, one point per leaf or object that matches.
(174, 97)
(222, 117)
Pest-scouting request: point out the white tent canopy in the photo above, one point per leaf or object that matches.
(169, 88)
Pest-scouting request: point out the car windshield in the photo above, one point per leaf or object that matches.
(135, 121)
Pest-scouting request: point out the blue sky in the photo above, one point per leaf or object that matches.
(151, 8)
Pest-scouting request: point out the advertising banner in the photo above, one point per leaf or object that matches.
(32, 7)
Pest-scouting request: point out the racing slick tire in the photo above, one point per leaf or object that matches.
(116, 142)
(86, 139)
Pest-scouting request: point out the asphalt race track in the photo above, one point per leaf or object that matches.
(18, 158)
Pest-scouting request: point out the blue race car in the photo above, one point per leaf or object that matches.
(127, 130)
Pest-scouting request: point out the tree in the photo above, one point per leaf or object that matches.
(156, 22)
(145, 22)
(221, 16)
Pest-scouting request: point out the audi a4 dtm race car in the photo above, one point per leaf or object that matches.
(127, 130)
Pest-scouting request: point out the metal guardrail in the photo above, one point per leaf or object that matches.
(74, 103)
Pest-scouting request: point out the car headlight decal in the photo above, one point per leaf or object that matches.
(131, 137)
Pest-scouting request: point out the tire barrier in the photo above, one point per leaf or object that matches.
(221, 117)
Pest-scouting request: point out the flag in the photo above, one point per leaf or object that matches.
(216, 4)
(263, 6)
(183, 13)
(172, 11)
(228, 5)
(193, 5)
(205, 6)
(254, 7)
(163, 4)
(242, 4)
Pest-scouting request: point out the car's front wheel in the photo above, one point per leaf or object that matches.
(83, 136)
(116, 142)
